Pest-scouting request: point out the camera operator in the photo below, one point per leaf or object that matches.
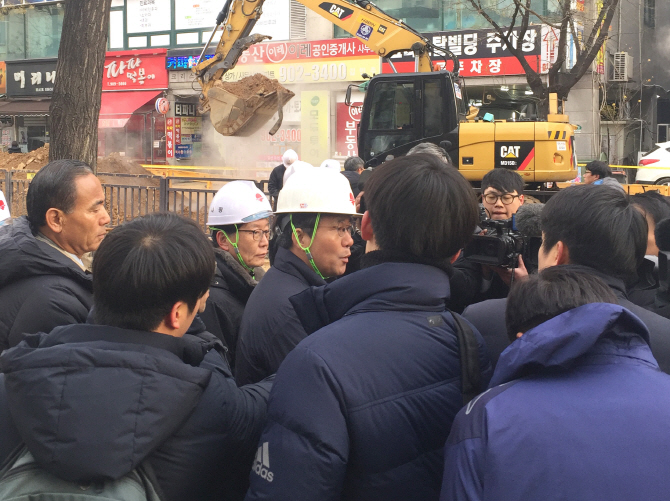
(502, 196)
(598, 228)
(655, 208)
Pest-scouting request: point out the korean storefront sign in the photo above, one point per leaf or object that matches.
(185, 109)
(298, 62)
(34, 77)
(348, 118)
(480, 52)
(315, 137)
(133, 70)
(169, 137)
(148, 15)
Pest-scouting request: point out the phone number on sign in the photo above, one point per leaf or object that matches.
(321, 72)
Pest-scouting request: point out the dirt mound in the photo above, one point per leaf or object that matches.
(116, 164)
(251, 86)
(33, 160)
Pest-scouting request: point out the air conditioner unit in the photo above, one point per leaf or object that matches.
(622, 68)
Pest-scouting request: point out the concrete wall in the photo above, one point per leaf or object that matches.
(583, 109)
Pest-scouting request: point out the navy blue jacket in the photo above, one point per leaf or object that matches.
(94, 401)
(577, 409)
(489, 319)
(40, 287)
(358, 408)
(270, 328)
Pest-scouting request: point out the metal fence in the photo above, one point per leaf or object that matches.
(128, 196)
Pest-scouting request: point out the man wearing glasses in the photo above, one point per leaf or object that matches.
(314, 228)
(239, 218)
(502, 195)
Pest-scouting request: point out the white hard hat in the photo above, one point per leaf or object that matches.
(4, 209)
(316, 190)
(289, 157)
(332, 164)
(238, 202)
(295, 167)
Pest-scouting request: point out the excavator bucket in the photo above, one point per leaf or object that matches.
(241, 108)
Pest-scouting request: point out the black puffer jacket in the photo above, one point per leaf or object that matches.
(270, 327)
(228, 295)
(111, 398)
(40, 287)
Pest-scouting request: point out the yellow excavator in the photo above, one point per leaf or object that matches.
(400, 110)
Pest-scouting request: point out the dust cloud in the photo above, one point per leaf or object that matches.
(254, 157)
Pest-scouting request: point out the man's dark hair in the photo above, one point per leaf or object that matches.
(54, 187)
(553, 291)
(653, 204)
(503, 180)
(354, 163)
(420, 206)
(143, 267)
(599, 168)
(600, 227)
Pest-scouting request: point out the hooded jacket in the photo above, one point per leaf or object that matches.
(270, 327)
(489, 319)
(110, 398)
(40, 287)
(228, 295)
(358, 407)
(577, 409)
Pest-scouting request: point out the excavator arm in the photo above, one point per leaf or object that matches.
(380, 32)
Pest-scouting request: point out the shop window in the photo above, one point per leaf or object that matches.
(446, 15)
(116, 29)
(650, 13)
(31, 33)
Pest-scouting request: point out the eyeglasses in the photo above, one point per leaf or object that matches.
(256, 234)
(507, 198)
(343, 231)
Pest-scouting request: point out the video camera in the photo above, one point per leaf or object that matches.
(500, 246)
(506, 239)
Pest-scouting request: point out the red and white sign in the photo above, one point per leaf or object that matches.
(348, 118)
(139, 69)
(169, 137)
(279, 52)
(177, 131)
(4, 210)
(162, 105)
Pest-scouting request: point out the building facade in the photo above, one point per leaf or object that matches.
(153, 44)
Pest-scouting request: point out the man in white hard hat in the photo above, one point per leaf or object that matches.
(276, 181)
(314, 211)
(239, 218)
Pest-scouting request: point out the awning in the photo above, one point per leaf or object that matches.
(25, 108)
(117, 107)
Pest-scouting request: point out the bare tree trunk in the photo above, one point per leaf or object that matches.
(75, 105)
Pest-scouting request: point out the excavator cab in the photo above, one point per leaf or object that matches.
(403, 110)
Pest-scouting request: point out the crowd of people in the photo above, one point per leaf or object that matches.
(376, 358)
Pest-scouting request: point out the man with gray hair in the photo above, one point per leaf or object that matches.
(433, 149)
(44, 283)
(276, 182)
(353, 166)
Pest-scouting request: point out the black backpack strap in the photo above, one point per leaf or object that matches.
(469, 353)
